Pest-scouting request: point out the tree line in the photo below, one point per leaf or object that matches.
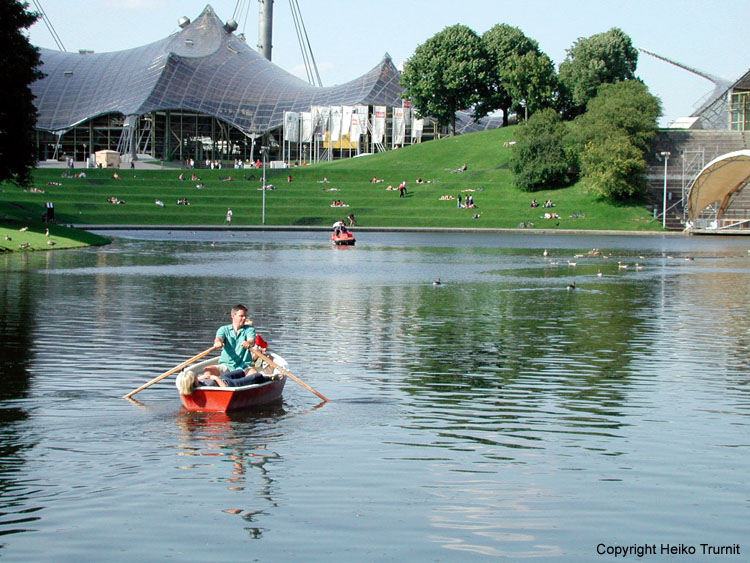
(591, 119)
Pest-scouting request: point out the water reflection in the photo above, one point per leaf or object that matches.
(226, 440)
(497, 414)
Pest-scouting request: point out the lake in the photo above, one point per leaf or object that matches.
(496, 415)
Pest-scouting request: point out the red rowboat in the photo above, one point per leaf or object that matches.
(223, 399)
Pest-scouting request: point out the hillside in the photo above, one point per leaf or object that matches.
(307, 201)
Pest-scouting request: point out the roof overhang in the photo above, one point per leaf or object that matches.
(719, 181)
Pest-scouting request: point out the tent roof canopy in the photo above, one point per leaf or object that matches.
(202, 68)
(719, 181)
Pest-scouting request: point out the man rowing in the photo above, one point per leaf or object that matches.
(235, 367)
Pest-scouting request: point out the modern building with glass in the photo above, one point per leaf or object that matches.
(204, 94)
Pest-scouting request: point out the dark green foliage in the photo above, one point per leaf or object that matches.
(532, 83)
(445, 74)
(17, 111)
(600, 59)
(539, 160)
(521, 77)
(612, 138)
(614, 169)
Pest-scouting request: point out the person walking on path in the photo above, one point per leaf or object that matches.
(229, 215)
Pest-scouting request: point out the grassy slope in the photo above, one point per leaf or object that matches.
(305, 201)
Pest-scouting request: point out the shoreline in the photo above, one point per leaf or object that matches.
(293, 228)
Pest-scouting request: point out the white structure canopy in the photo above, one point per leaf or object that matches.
(719, 181)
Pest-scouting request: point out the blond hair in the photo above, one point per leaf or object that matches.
(186, 382)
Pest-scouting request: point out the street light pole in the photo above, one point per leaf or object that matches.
(264, 151)
(665, 155)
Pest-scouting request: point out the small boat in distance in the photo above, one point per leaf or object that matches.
(223, 399)
(344, 237)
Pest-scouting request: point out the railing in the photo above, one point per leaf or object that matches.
(727, 224)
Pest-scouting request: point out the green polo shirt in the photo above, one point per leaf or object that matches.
(233, 354)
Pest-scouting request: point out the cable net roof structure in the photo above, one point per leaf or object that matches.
(203, 68)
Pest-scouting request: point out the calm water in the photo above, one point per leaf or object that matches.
(495, 416)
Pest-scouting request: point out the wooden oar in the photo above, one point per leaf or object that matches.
(170, 372)
(289, 374)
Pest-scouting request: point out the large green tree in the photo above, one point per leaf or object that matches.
(445, 74)
(614, 169)
(626, 107)
(532, 83)
(612, 138)
(539, 160)
(17, 111)
(521, 77)
(592, 61)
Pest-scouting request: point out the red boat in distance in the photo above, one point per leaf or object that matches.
(224, 399)
(344, 237)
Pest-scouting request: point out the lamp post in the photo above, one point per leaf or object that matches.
(264, 152)
(665, 155)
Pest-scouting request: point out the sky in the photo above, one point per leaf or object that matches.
(350, 37)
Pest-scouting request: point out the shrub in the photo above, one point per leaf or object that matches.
(539, 160)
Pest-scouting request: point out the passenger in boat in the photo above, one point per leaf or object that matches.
(337, 226)
(234, 378)
(188, 381)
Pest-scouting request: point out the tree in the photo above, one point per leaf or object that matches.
(501, 42)
(614, 169)
(539, 159)
(521, 77)
(531, 81)
(626, 107)
(612, 138)
(602, 58)
(445, 74)
(17, 111)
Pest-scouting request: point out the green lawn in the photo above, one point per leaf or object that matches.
(21, 236)
(306, 201)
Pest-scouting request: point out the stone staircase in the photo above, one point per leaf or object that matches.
(690, 151)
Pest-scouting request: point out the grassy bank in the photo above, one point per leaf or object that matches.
(24, 236)
(307, 201)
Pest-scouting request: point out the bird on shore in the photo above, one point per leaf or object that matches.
(437, 282)
(599, 273)
(572, 286)
(546, 252)
(621, 265)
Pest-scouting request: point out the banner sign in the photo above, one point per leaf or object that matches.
(378, 124)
